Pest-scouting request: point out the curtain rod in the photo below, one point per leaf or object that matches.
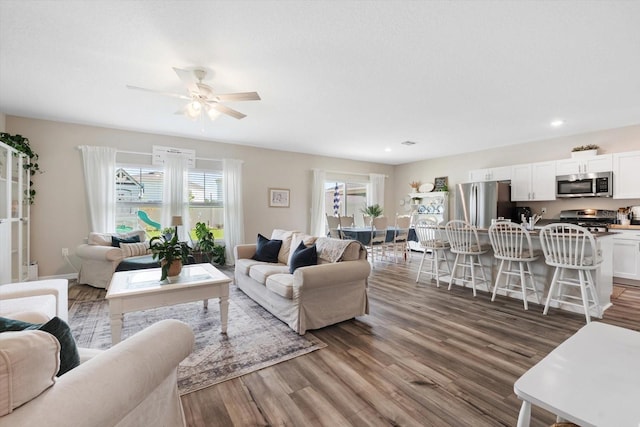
(140, 153)
(349, 173)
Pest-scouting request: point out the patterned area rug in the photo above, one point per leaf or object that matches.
(255, 339)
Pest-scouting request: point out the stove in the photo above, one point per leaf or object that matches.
(594, 220)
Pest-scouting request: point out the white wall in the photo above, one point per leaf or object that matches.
(59, 215)
(456, 168)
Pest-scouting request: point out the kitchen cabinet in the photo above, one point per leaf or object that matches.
(533, 181)
(626, 254)
(593, 164)
(493, 174)
(626, 175)
(14, 216)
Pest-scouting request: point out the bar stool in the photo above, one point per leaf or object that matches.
(512, 244)
(431, 240)
(571, 247)
(463, 238)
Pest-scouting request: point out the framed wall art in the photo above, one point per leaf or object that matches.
(279, 197)
(441, 184)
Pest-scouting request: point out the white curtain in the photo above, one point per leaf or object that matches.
(100, 175)
(375, 192)
(317, 203)
(233, 208)
(175, 194)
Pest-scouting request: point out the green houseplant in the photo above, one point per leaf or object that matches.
(171, 253)
(206, 245)
(21, 144)
(373, 211)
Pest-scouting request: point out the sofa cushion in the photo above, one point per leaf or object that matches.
(267, 250)
(303, 256)
(104, 239)
(135, 249)
(281, 284)
(260, 272)
(69, 357)
(244, 264)
(285, 249)
(300, 237)
(116, 241)
(28, 365)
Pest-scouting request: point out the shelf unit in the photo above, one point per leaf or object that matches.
(14, 216)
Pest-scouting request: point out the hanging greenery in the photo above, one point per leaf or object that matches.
(21, 144)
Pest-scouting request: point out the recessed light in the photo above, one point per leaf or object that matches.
(388, 150)
(557, 123)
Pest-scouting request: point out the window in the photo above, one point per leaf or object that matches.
(345, 198)
(139, 199)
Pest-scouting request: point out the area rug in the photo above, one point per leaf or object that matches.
(254, 340)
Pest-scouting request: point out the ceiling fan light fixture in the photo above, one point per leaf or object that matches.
(212, 112)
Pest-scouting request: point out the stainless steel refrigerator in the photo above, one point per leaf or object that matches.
(480, 202)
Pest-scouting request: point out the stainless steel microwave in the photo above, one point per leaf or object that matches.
(585, 185)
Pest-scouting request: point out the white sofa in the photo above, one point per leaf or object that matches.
(100, 259)
(132, 384)
(314, 296)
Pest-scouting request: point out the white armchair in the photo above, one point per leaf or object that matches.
(100, 259)
(134, 383)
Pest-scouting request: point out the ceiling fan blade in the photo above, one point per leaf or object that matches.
(229, 111)
(188, 78)
(242, 96)
(159, 92)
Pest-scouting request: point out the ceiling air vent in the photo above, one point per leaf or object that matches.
(408, 143)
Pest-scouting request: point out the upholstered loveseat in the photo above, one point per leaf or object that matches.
(104, 252)
(314, 296)
(134, 383)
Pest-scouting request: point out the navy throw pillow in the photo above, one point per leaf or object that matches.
(303, 256)
(69, 357)
(115, 241)
(267, 250)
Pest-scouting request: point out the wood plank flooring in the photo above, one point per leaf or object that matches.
(424, 356)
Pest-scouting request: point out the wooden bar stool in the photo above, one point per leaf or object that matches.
(463, 238)
(512, 245)
(431, 240)
(571, 247)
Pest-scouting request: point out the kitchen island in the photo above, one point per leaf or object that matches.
(543, 274)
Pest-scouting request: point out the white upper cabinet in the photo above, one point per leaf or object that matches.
(533, 181)
(593, 164)
(626, 175)
(492, 174)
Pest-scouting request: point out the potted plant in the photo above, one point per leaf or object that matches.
(206, 248)
(171, 252)
(588, 150)
(21, 144)
(373, 211)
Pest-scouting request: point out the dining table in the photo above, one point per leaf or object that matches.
(363, 234)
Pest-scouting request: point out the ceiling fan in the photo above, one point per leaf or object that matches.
(202, 98)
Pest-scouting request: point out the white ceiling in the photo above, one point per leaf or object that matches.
(345, 79)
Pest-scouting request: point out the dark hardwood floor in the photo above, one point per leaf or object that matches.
(424, 356)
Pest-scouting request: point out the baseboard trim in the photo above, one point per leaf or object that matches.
(59, 276)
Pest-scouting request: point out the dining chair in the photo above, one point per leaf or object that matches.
(463, 238)
(571, 247)
(434, 245)
(400, 237)
(333, 224)
(366, 220)
(512, 246)
(347, 221)
(378, 237)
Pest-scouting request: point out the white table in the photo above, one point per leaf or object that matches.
(142, 289)
(591, 379)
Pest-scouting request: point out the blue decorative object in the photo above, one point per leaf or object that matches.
(336, 200)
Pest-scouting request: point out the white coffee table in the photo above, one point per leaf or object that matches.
(142, 289)
(591, 379)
